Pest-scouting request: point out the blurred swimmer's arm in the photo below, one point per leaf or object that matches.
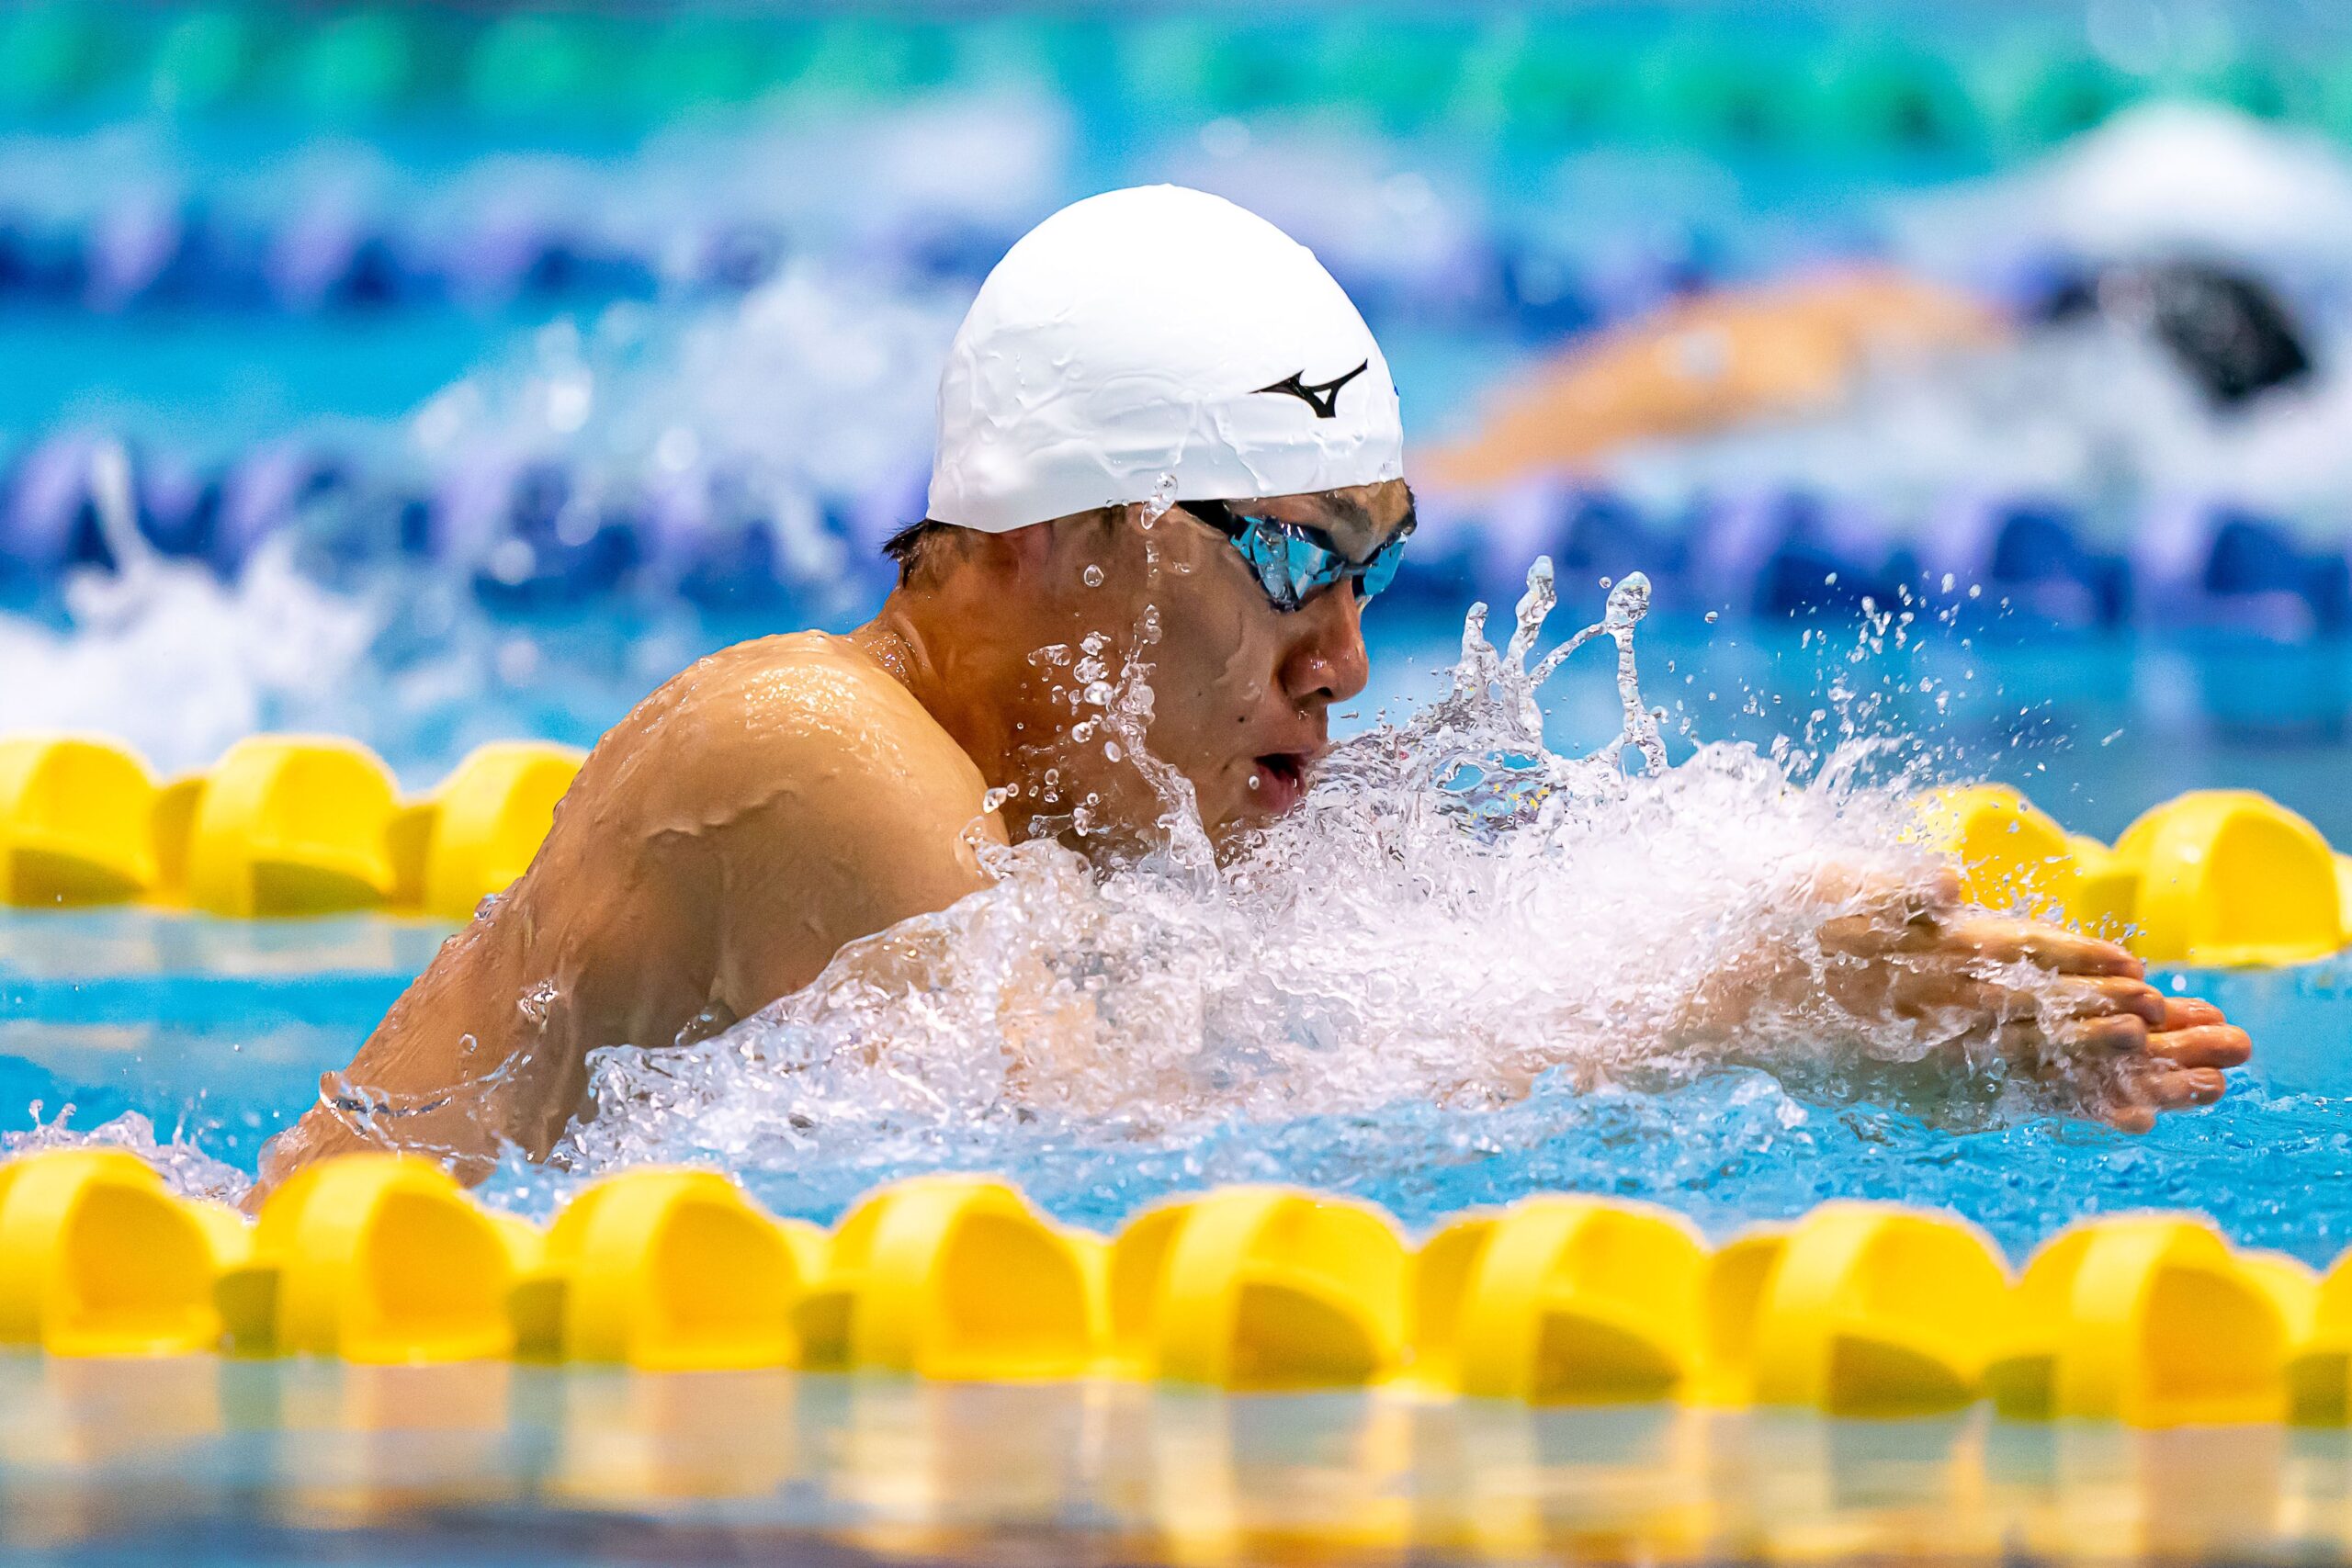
(1709, 362)
(1909, 957)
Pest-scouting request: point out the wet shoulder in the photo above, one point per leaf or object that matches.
(781, 715)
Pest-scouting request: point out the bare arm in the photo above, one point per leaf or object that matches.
(720, 845)
(1912, 955)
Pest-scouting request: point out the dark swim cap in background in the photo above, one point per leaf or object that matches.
(2225, 328)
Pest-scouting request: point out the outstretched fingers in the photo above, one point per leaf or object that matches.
(2138, 1096)
(2129, 1054)
(2211, 1046)
(2176, 1089)
(2091, 995)
(1923, 987)
(2000, 939)
(2113, 1034)
(2190, 1013)
(2190, 1033)
(2088, 1019)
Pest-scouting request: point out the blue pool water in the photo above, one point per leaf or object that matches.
(190, 1024)
(216, 1033)
(205, 1461)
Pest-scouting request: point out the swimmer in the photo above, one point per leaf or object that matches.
(1713, 361)
(1162, 420)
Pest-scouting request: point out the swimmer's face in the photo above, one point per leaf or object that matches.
(1241, 692)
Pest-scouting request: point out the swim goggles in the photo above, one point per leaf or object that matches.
(1293, 561)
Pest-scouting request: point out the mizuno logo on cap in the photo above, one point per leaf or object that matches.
(1323, 396)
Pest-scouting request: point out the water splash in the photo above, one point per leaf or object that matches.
(1454, 914)
(799, 413)
(169, 658)
(185, 1167)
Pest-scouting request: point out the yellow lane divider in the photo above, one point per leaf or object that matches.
(73, 816)
(374, 1259)
(1858, 1309)
(668, 1270)
(280, 825)
(1259, 1288)
(2219, 877)
(311, 825)
(2150, 1320)
(97, 1258)
(1855, 1308)
(284, 825)
(955, 1277)
(1558, 1300)
(2223, 878)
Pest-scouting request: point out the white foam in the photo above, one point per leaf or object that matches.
(186, 1168)
(2086, 415)
(1454, 910)
(167, 657)
(816, 389)
(2160, 180)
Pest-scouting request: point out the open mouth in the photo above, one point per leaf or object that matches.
(1280, 779)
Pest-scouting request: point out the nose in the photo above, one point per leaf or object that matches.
(1326, 660)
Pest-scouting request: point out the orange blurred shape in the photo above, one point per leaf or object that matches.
(1706, 363)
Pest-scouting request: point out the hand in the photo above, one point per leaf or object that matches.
(2066, 1007)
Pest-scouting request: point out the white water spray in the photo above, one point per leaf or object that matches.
(1452, 912)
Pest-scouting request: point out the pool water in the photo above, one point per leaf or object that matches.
(217, 1041)
(488, 1463)
(208, 1037)
(201, 1462)
(2095, 726)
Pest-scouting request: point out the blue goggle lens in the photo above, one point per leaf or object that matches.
(1292, 567)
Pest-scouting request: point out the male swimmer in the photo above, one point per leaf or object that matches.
(1160, 411)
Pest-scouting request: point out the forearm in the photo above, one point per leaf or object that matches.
(455, 1071)
(1834, 955)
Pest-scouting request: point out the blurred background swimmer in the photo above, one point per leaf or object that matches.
(2112, 373)
(1718, 360)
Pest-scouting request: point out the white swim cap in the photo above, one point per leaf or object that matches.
(1151, 331)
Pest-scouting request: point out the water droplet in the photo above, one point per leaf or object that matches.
(535, 1003)
(1163, 496)
(1093, 576)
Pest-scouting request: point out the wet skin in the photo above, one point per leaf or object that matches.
(786, 796)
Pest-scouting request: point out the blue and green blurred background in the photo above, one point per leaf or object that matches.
(473, 367)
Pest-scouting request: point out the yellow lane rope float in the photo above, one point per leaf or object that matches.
(1855, 1308)
(281, 825)
(285, 824)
